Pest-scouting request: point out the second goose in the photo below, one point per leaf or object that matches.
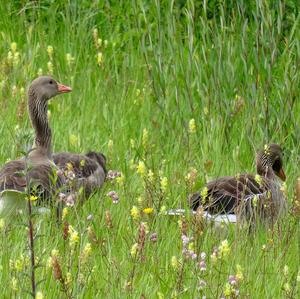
(247, 195)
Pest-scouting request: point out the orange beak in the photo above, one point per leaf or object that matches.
(281, 174)
(63, 88)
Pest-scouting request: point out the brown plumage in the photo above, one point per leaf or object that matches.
(37, 170)
(89, 169)
(244, 193)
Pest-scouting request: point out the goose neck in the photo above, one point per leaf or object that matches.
(38, 108)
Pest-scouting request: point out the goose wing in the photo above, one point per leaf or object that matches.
(81, 165)
(223, 195)
(89, 174)
(12, 176)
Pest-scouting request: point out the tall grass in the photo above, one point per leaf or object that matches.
(232, 67)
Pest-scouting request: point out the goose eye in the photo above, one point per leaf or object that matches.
(277, 165)
(51, 82)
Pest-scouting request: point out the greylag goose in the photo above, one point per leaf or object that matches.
(37, 170)
(243, 194)
(89, 170)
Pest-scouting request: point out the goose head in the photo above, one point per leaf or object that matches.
(45, 87)
(269, 162)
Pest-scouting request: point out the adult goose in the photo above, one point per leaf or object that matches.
(247, 195)
(37, 170)
(86, 171)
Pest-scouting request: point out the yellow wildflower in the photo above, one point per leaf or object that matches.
(133, 250)
(140, 200)
(179, 223)
(191, 246)
(120, 179)
(141, 169)
(86, 252)
(50, 67)
(110, 145)
(255, 200)
(74, 236)
(285, 270)
(135, 213)
(19, 265)
(174, 262)
(69, 166)
(2, 224)
(192, 126)
(258, 179)
(10, 57)
(49, 263)
(214, 258)
(224, 249)
(14, 90)
(73, 139)
(65, 212)
(228, 290)
(50, 52)
(87, 249)
(81, 278)
(287, 287)
(95, 33)
(204, 193)
(22, 91)
(132, 165)
(160, 295)
(16, 58)
(54, 253)
(69, 278)
(163, 210)
(40, 72)
(99, 42)
(148, 211)
(14, 284)
(39, 295)
(99, 58)
(164, 184)
(13, 47)
(70, 59)
(33, 198)
(239, 273)
(105, 43)
(150, 176)
(132, 143)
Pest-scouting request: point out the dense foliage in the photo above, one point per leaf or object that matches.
(174, 93)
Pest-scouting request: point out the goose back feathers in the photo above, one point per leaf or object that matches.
(89, 169)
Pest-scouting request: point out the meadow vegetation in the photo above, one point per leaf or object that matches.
(174, 93)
